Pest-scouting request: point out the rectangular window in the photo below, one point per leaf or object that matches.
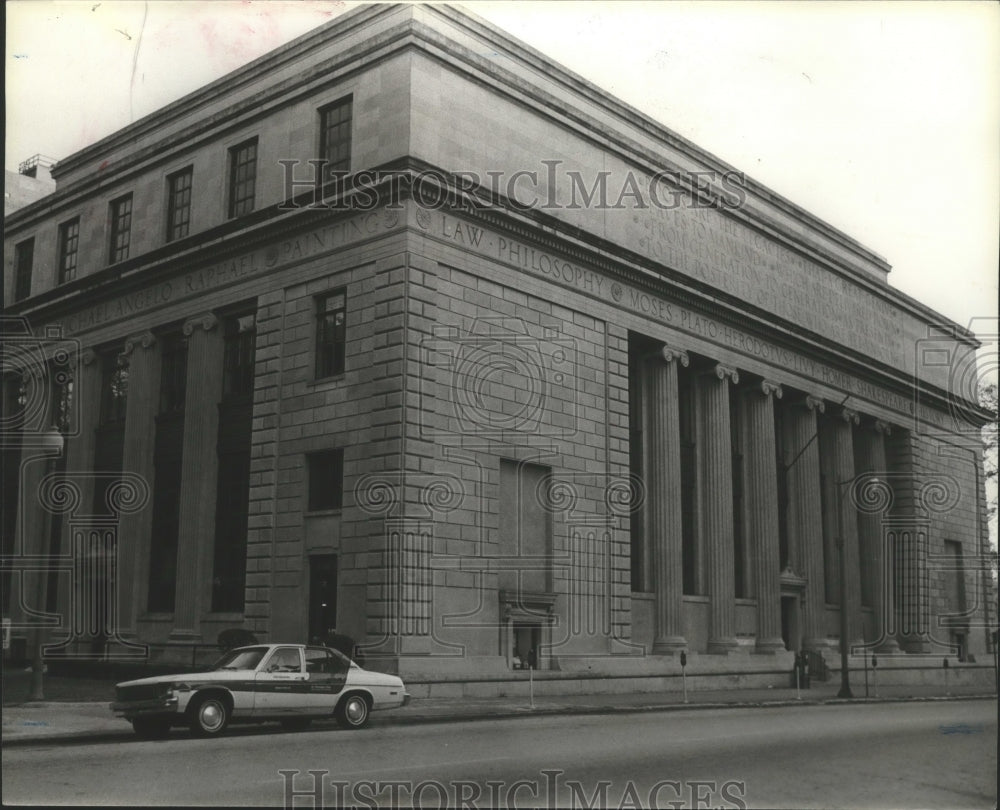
(525, 528)
(331, 318)
(114, 389)
(121, 228)
(242, 177)
(326, 479)
(24, 257)
(335, 138)
(173, 374)
(233, 482)
(69, 246)
(109, 436)
(782, 478)
(232, 508)
(740, 552)
(240, 337)
(167, 458)
(954, 579)
(690, 556)
(179, 204)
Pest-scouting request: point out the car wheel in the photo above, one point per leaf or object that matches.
(353, 711)
(296, 723)
(209, 716)
(151, 728)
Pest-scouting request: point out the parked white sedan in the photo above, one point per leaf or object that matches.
(291, 683)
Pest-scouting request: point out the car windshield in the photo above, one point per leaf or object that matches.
(244, 658)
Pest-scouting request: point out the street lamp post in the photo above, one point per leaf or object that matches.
(52, 444)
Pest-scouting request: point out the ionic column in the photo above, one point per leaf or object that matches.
(762, 512)
(80, 463)
(876, 553)
(664, 497)
(31, 535)
(805, 516)
(716, 505)
(135, 527)
(842, 468)
(199, 472)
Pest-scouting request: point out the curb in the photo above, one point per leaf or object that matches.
(84, 737)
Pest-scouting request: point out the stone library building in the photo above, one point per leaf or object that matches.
(406, 330)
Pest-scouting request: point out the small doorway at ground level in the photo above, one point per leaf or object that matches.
(790, 631)
(527, 640)
(322, 595)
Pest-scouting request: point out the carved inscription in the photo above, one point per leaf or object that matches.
(228, 271)
(544, 265)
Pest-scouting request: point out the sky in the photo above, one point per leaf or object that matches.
(883, 119)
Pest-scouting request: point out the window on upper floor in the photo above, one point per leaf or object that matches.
(121, 228)
(179, 203)
(242, 177)
(335, 137)
(331, 318)
(24, 257)
(326, 479)
(69, 246)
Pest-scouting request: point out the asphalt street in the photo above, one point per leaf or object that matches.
(927, 755)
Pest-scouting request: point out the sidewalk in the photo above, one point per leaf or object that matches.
(68, 721)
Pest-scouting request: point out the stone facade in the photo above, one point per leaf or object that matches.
(574, 427)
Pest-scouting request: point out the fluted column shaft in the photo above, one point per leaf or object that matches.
(135, 527)
(876, 559)
(664, 497)
(843, 474)
(199, 472)
(716, 502)
(80, 463)
(762, 512)
(31, 535)
(805, 517)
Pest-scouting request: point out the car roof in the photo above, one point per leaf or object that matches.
(271, 646)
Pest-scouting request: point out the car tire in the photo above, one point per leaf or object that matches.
(209, 715)
(151, 728)
(353, 711)
(296, 723)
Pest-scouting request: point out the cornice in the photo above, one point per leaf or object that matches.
(534, 227)
(413, 33)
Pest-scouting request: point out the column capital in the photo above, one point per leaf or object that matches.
(883, 427)
(850, 416)
(768, 387)
(814, 403)
(669, 354)
(144, 339)
(207, 321)
(722, 372)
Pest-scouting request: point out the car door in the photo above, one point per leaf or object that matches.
(280, 686)
(326, 674)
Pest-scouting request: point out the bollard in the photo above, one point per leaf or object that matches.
(875, 673)
(684, 683)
